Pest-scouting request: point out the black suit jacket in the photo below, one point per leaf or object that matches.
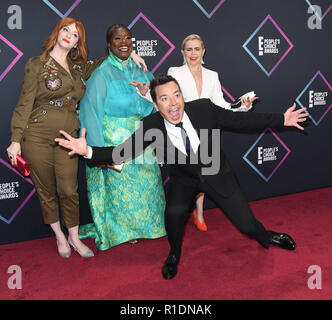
(205, 117)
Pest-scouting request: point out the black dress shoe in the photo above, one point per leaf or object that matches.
(282, 240)
(170, 267)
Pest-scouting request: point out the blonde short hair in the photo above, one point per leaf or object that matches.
(192, 37)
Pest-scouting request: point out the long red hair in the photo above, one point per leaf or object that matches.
(77, 55)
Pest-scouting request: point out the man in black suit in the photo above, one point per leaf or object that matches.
(187, 137)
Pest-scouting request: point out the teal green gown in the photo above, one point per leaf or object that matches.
(130, 204)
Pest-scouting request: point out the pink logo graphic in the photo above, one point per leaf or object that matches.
(228, 94)
(316, 97)
(24, 202)
(11, 65)
(57, 11)
(267, 154)
(257, 52)
(209, 15)
(142, 16)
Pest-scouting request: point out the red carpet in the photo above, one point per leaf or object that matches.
(218, 264)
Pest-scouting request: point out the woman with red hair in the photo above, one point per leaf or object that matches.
(53, 84)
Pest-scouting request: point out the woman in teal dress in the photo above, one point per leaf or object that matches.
(129, 204)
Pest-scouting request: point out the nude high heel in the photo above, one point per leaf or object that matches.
(63, 254)
(87, 254)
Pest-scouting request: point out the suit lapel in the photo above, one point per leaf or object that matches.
(194, 119)
(190, 83)
(205, 83)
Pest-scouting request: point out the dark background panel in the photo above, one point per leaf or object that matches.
(308, 165)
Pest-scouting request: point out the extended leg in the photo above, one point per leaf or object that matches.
(237, 209)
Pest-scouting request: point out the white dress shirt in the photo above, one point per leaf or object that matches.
(174, 133)
(90, 152)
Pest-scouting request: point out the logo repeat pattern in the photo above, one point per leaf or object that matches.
(142, 16)
(266, 176)
(24, 202)
(57, 11)
(209, 15)
(18, 57)
(302, 105)
(268, 71)
(252, 55)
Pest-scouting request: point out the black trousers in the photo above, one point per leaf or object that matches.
(180, 199)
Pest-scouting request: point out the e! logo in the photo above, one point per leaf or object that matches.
(260, 46)
(260, 155)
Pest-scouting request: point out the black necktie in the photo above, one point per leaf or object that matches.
(185, 137)
(186, 141)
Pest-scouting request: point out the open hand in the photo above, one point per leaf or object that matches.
(76, 145)
(293, 117)
(142, 87)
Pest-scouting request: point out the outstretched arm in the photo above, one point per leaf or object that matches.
(127, 150)
(256, 121)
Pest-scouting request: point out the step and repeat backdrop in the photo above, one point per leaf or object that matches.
(280, 49)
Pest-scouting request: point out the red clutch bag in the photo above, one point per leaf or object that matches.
(22, 165)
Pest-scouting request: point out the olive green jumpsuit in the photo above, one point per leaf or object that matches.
(48, 103)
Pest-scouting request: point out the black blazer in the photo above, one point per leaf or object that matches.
(204, 116)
